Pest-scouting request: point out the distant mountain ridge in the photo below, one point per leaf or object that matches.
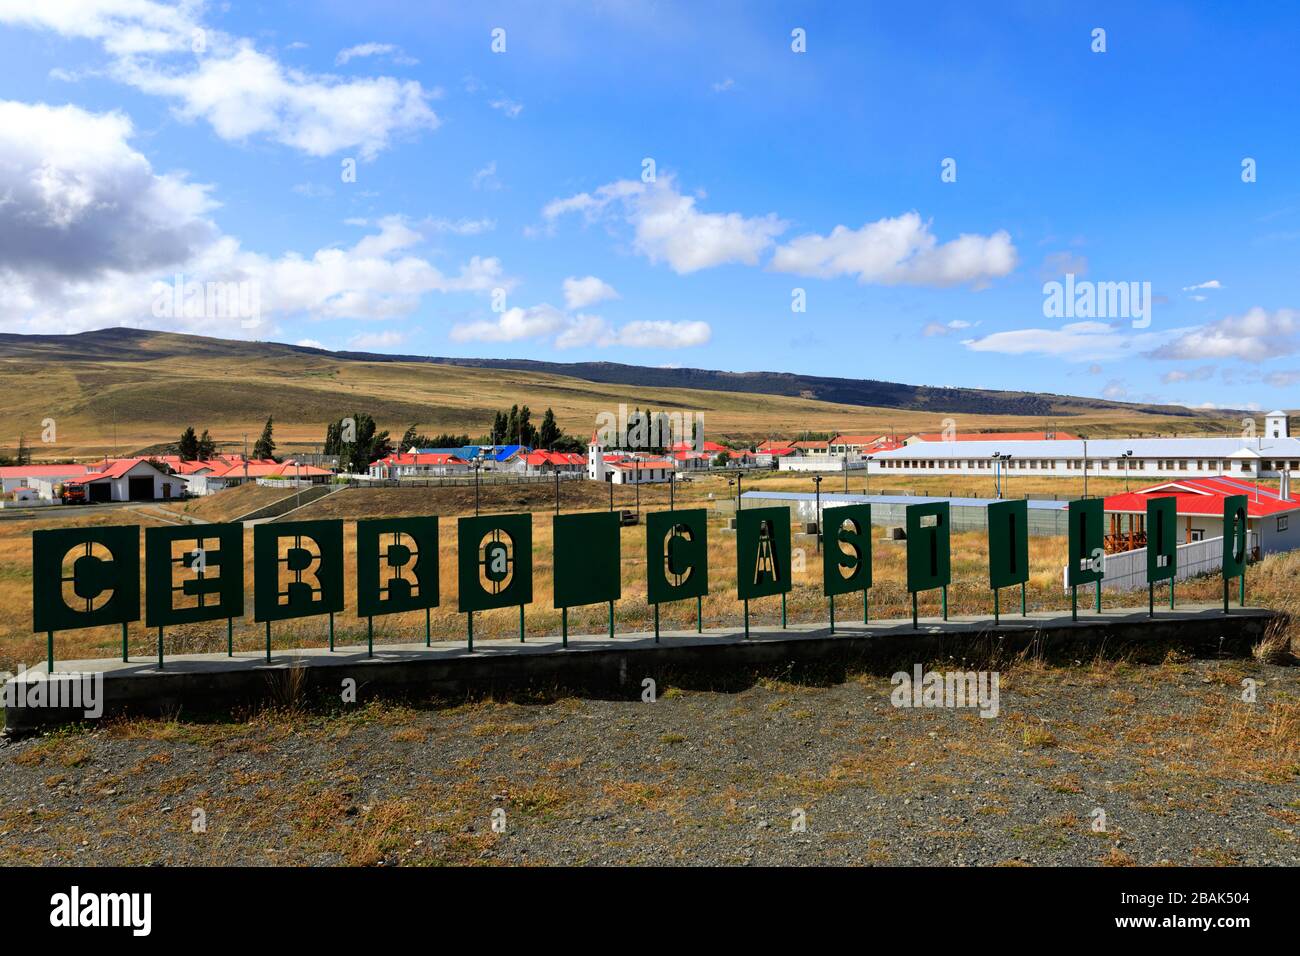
(136, 345)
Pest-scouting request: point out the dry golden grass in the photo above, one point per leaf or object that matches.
(148, 396)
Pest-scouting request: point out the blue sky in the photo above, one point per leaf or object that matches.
(502, 204)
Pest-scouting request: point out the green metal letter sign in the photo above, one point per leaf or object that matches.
(762, 552)
(586, 558)
(193, 574)
(1087, 553)
(1008, 543)
(677, 555)
(397, 565)
(929, 562)
(1234, 536)
(846, 562)
(494, 561)
(297, 569)
(85, 577)
(1162, 539)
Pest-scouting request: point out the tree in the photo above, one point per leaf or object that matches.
(550, 432)
(500, 426)
(207, 447)
(188, 446)
(368, 444)
(721, 460)
(265, 446)
(24, 451)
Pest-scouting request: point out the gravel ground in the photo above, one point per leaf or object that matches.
(774, 773)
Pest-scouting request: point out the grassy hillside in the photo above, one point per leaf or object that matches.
(121, 390)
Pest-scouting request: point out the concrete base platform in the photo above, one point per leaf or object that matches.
(596, 664)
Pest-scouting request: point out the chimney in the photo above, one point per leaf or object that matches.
(1284, 486)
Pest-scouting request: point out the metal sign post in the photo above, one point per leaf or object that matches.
(677, 558)
(1087, 555)
(1162, 548)
(846, 560)
(929, 560)
(1236, 527)
(762, 556)
(1008, 523)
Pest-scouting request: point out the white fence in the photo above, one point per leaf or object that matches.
(1127, 571)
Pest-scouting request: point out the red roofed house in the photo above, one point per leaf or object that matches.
(129, 479)
(1274, 519)
(42, 478)
(550, 462)
(854, 444)
(418, 465)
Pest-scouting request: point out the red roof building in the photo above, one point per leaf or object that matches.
(1200, 511)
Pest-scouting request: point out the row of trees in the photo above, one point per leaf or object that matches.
(515, 427)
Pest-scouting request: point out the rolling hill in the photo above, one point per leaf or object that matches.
(124, 389)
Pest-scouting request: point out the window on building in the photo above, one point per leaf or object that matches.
(1283, 522)
(1198, 534)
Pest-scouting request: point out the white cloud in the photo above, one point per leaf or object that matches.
(724, 85)
(898, 251)
(87, 228)
(310, 343)
(1212, 284)
(512, 325)
(936, 329)
(1187, 375)
(581, 330)
(1115, 390)
(486, 178)
(377, 340)
(507, 106)
(580, 293)
(1076, 342)
(76, 200)
(460, 227)
(241, 91)
(1253, 337)
(388, 50)
(667, 226)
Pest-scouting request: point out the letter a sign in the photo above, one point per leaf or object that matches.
(762, 552)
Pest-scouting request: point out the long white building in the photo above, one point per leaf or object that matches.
(1271, 454)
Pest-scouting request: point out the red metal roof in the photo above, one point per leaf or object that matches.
(41, 471)
(1204, 497)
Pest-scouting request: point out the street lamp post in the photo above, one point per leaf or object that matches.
(846, 472)
(817, 485)
(1126, 456)
(1085, 465)
(477, 466)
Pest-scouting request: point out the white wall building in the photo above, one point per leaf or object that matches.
(1261, 457)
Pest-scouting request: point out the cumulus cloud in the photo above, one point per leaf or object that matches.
(77, 200)
(580, 293)
(240, 91)
(939, 329)
(88, 229)
(1211, 284)
(377, 340)
(1075, 341)
(568, 331)
(898, 251)
(1187, 375)
(1253, 337)
(668, 227)
(388, 50)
